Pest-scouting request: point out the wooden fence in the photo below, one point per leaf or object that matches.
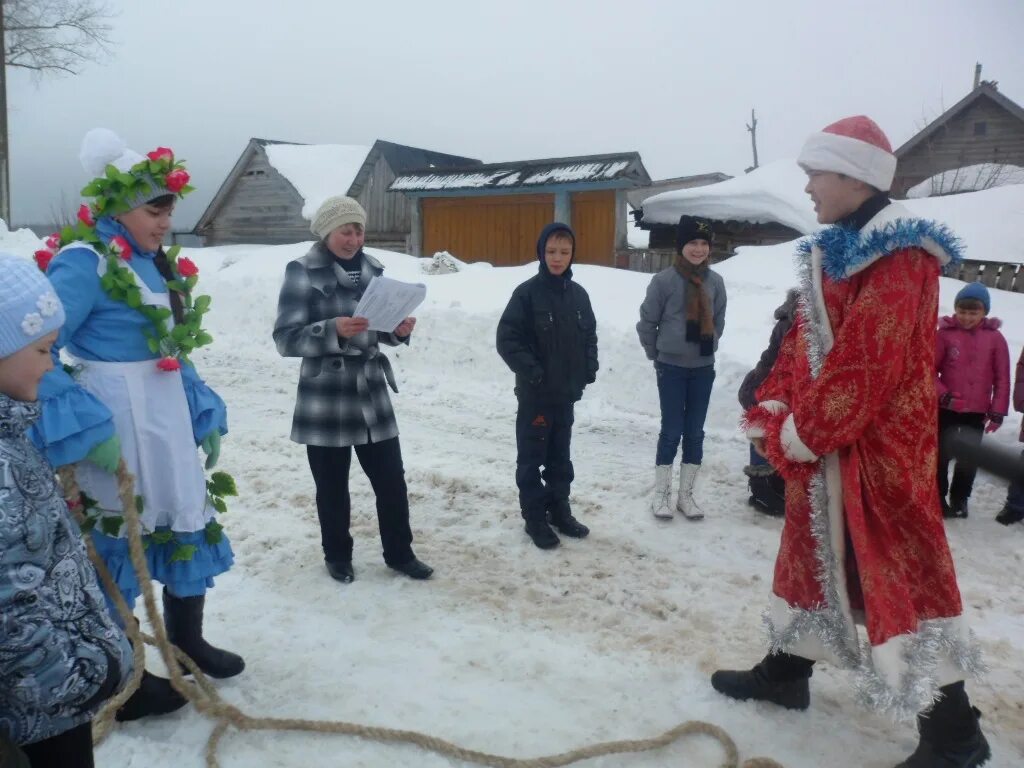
(994, 274)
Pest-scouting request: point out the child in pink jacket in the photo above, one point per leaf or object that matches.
(972, 364)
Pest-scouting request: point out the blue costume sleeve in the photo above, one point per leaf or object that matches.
(73, 421)
(206, 407)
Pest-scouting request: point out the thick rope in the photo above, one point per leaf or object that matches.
(207, 700)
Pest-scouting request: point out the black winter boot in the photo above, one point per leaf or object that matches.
(766, 496)
(183, 617)
(958, 507)
(539, 530)
(562, 519)
(1009, 516)
(950, 734)
(780, 678)
(154, 696)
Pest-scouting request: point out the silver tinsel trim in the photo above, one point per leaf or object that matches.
(935, 640)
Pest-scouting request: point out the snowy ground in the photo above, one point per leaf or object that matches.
(510, 649)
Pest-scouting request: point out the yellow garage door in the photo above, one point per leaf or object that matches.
(501, 230)
(593, 219)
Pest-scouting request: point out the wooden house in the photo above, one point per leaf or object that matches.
(275, 188)
(984, 127)
(494, 212)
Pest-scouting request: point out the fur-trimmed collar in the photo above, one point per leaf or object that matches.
(845, 253)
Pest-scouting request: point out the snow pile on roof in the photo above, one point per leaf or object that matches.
(556, 173)
(774, 193)
(317, 171)
(971, 178)
(990, 223)
(456, 181)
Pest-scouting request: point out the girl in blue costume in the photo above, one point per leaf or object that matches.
(127, 400)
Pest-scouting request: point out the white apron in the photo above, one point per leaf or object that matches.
(154, 424)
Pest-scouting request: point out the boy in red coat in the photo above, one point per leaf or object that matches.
(847, 416)
(972, 365)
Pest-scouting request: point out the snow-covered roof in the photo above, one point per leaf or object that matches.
(990, 223)
(774, 193)
(526, 173)
(971, 178)
(317, 171)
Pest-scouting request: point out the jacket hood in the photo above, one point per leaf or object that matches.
(542, 241)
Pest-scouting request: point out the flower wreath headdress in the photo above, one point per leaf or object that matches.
(123, 180)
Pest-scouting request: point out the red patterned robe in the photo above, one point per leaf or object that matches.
(864, 538)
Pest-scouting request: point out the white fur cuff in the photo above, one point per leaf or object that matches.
(792, 446)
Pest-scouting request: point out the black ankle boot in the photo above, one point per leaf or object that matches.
(562, 519)
(950, 736)
(154, 696)
(183, 617)
(780, 678)
(538, 529)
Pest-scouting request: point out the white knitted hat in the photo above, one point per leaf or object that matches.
(29, 307)
(336, 212)
(855, 147)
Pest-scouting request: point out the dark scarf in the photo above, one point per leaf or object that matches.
(700, 323)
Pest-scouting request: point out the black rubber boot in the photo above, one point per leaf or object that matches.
(183, 617)
(562, 519)
(950, 736)
(154, 696)
(341, 571)
(538, 529)
(780, 678)
(766, 496)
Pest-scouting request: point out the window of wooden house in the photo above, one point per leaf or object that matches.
(256, 172)
(980, 128)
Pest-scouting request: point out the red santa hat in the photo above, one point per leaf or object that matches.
(855, 147)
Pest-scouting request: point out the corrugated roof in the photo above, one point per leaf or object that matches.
(527, 173)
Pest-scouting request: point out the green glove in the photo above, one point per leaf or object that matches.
(106, 455)
(211, 446)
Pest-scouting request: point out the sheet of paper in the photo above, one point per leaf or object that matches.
(387, 302)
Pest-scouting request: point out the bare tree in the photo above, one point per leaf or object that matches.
(46, 37)
(55, 36)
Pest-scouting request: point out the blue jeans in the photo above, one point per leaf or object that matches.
(756, 459)
(684, 394)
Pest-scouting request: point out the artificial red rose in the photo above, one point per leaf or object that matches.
(43, 259)
(85, 215)
(161, 153)
(176, 179)
(53, 241)
(186, 267)
(168, 364)
(121, 248)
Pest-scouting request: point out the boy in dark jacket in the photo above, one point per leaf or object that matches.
(548, 337)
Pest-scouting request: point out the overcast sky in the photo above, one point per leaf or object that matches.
(672, 79)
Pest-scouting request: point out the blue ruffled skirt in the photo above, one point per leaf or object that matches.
(183, 578)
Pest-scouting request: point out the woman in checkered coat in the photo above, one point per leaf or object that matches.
(343, 400)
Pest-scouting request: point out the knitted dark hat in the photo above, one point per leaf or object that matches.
(693, 228)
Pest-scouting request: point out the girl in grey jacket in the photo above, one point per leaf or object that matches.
(681, 320)
(61, 655)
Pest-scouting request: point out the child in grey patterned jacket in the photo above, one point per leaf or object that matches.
(61, 654)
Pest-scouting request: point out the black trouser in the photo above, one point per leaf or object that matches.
(70, 749)
(543, 434)
(382, 463)
(964, 471)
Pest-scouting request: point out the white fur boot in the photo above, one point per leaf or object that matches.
(685, 503)
(661, 500)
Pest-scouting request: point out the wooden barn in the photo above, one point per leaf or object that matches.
(982, 128)
(494, 212)
(275, 188)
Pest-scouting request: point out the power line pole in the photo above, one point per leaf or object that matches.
(752, 128)
(5, 162)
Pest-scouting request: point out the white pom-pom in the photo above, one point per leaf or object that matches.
(102, 147)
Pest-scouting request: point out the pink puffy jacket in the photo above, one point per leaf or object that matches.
(973, 366)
